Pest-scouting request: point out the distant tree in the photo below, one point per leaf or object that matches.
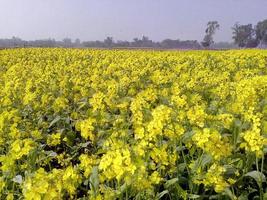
(121, 43)
(67, 42)
(135, 39)
(146, 42)
(145, 39)
(169, 43)
(16, 41)
(143, 42)
(243, 35)
(252, 43)
(43, 43)
(179, 44)
(136, 42)
(108, 42)
(212, 26)
(261, 31)
(77, 42)
(224, 45)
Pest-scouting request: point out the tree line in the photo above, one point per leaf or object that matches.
(244, 36)
(109, 42)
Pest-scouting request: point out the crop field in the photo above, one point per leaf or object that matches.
(133, 124)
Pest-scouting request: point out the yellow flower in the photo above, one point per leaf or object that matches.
(197, 115)
(71, 179)
(253, 140)
(155, 178)
(97, 101)
(161, 116)
(214, 177)
(36, 134)
(87, 128)
(54, 139)
(60, 103)
(10, 196)
(87, 163)
(212, 142)
(116, 164)
(2, 184)
(20, 148)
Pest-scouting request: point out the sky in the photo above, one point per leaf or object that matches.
(125, 19)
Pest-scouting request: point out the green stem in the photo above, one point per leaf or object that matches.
(262, 163)
(260, 181)
(188, 171)
(257, 164)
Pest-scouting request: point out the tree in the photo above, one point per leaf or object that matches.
(16, 41)
(77, 42)
(243, 35)
(108, 41)
(121, 43)
(261, 31)
(212, 26)
(146, 42)
(67, 42)
(136, 42)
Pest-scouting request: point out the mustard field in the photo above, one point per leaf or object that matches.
(125, 124)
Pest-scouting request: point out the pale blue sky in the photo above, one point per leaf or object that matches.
(124, 19)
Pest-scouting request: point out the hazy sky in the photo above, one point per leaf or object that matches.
(124, 19)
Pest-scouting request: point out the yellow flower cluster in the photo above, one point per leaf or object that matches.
(51, 185)
(212, 142)
(130, 124)
(54, 139)
(21, 147)
(253, 140)
(115, 164)
(87, 128)
(87, 163)
(161, 116)
(214, 177)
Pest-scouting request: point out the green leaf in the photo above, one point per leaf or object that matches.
(123, 188)
(181, 167)
(82, 105)
(229, 193)
(86, 182)
(193, 196)
(57, 118)
(180, 148)
(230, 170)
(84, 145)
(171, 182)
(206, 159)
(160, 195)
(257, 176)
(243, 196)
(94, 180)
(215, 196)
(181, 192)
(188, 135)
(201, 162)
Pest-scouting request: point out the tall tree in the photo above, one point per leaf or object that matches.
(243, 35)
(108, 41)
(261, 31)
(77, 42)
(67, 42)
(212, 26)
